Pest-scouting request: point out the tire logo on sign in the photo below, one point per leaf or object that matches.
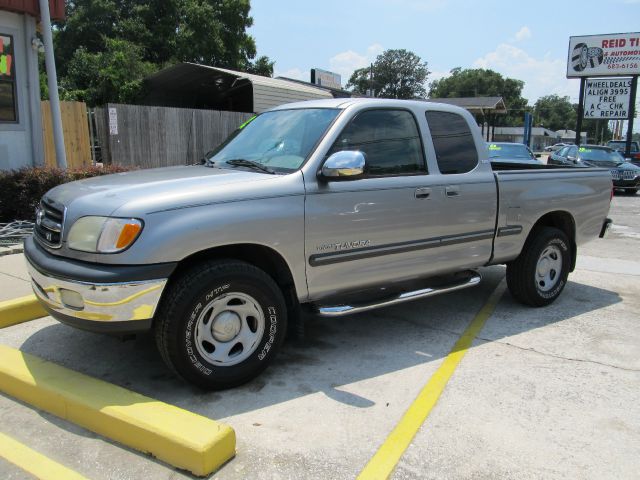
(584, 57)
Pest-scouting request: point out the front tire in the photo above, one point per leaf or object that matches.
(221, 324)
(538, 276)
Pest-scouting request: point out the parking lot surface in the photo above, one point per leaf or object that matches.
(542, 393)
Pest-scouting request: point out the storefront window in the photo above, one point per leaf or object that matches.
(8, 110)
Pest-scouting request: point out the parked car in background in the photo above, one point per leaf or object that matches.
(625, 174)
(621, 145)
(556, 146)
(507, 152)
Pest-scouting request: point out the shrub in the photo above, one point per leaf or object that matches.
(21, 190)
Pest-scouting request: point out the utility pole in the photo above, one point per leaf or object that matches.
(52, 81)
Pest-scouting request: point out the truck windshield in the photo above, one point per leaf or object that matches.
(280, 140)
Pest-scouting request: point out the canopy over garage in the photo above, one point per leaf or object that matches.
(189, 85)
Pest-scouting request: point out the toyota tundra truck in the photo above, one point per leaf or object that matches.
(333, 206)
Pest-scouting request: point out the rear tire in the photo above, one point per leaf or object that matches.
(221, 324)
(538, 276)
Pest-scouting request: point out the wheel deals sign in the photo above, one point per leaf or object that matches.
(604, 55)
(607, 98)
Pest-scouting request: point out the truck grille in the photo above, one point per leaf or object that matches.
(49, 222)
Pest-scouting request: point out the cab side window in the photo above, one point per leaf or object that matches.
(389, 139)
(453, 142)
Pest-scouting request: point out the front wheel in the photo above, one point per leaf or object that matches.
(539, 274)
(221, 324)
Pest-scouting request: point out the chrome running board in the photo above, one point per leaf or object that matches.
(340, 310)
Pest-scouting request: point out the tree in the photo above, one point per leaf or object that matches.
(396, 74)
(100, 37)
(480, 82)
(555, 113)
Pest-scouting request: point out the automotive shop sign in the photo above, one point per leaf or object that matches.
(607, 98)
(604, 55)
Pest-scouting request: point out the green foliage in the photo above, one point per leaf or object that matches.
(112, 75)
(21, 190)
(555, 113)
(480, 82)
(396, 74)
(105, 48)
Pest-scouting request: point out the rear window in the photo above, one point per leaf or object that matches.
(453, 142)
(622, 145)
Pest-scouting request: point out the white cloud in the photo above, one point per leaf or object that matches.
(294, 73)
(346, 62)
(542, 76)
(522, 34)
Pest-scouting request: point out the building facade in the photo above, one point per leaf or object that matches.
(21, 143)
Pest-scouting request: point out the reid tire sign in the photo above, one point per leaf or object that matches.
(604, 55)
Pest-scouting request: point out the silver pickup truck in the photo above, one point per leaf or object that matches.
(334, 206)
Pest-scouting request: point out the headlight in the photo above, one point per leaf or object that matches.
(103, 234)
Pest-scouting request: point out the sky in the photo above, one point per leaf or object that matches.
(523, 40)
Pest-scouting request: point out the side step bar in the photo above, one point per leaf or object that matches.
(340, 310)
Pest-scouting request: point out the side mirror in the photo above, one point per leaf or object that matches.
(345, 165)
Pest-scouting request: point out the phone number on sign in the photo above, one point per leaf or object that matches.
(617, 66)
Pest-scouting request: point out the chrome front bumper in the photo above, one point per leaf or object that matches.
(69, 300)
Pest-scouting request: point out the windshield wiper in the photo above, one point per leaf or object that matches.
(241, 162)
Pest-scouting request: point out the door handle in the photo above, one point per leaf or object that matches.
(423, 192)
(452, 191)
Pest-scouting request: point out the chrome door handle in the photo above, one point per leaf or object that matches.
(452, 191)
(423, 192)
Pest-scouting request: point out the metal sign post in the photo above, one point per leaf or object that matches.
(632, 113)
(580, 111)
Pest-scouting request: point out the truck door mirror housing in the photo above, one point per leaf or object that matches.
(344, 165)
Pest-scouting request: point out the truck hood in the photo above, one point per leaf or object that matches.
(142, 191)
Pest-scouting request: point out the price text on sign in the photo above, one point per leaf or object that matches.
(607, 98)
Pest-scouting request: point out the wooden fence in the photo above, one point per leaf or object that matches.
(148, 137)
(77, 143)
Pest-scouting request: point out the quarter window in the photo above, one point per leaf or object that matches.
(453, 142)
(389, 139)
(8, 111)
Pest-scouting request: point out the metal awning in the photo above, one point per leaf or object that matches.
(191, 85)
(482, 105)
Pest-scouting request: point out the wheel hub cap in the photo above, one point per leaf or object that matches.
(226, 326)
(549, 268)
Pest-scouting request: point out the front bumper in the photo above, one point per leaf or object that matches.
(106, 306)
(635, 183)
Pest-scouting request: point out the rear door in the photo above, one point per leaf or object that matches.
(469, 192)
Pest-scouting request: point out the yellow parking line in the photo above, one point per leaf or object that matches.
(20, 310)
(388, 455)
(33, 462)
(176, 436)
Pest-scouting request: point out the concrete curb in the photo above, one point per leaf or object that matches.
(175, 436)
(20, 310)
(11, 249)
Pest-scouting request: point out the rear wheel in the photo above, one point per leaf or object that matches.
(221, 324)
(539, 274)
